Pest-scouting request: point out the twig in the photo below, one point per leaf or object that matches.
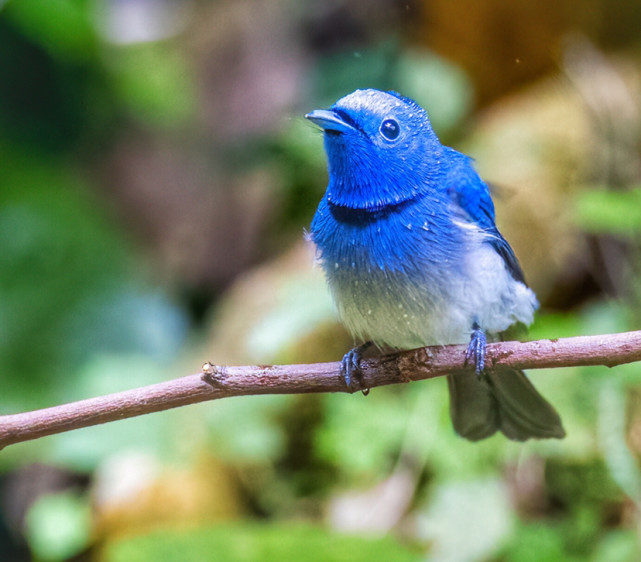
(220, 382)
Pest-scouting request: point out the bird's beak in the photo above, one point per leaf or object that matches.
(329, 120)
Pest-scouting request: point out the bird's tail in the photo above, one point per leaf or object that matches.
(501, 399)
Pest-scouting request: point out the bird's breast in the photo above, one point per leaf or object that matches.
(413, 237)
(411, 276)
(389, 270)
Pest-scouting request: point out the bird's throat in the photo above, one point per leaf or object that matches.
(371, 194)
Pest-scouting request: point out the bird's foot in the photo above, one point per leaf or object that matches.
(351, 368)
(476, 349)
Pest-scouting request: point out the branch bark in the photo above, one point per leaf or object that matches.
(220, 382)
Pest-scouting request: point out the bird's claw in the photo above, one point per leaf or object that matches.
(475, 353)
(351, 368)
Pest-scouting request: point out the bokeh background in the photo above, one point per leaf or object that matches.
(156, 176)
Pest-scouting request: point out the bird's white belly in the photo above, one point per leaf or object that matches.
(441, 308)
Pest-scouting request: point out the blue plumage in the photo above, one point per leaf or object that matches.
(406, 236)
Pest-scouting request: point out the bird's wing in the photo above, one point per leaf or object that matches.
(473, 202)
(503, 248)
(468, 192)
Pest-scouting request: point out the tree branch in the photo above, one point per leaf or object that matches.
(220, 382)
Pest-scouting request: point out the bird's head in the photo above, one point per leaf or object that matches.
(381, 149)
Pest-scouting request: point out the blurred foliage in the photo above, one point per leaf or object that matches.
(155, 179)
(58, 526)
(161, 95)
(610, 212)
(251, 542)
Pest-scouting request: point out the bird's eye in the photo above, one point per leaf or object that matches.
(390, 129)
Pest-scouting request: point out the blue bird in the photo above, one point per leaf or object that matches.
(406, 237)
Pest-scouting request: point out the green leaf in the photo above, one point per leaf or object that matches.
(467, 520)
(618, 546)
(259, 543)
(612, 439)
(156, 82)
(246, 428)
(58, 526)
(343, 439)
(538, 541)
(62, 27)
(615, 212)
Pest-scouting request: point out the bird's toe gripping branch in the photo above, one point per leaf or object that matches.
(476, 349)
(351, 368)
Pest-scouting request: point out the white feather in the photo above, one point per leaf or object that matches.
(402, 313)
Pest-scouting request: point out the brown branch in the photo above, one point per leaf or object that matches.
(221, 382)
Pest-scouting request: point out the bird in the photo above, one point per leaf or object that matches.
(406, 236)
